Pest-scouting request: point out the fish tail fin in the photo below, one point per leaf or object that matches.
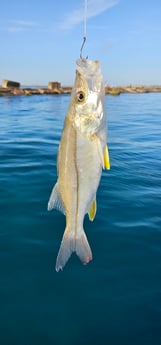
(66, 249)
(83, 249)
(70, 244)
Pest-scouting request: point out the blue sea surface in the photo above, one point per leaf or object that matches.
(116, 299)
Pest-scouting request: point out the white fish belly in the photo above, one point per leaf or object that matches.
(89, 169)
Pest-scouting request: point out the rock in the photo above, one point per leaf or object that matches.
(56, 91)
(66, 89)
(27, 92)
(4, 91)
(17, 92)
(43, 91)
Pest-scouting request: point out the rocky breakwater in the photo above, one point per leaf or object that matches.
(13, 88)
(115, 91)
(58, 90)
(29, 91)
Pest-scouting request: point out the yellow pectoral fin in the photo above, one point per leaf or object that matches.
(104, 155)
(92, 210)
(100, 151)
(106, 158)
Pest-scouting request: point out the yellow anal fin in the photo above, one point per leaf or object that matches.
(106, 158)
(92, 210)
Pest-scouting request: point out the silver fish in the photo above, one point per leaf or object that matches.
(82, 155)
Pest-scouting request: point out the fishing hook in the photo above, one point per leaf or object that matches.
(84, 40)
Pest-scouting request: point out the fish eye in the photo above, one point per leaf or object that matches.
(80, 96)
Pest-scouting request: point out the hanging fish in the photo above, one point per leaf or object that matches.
(82, 155)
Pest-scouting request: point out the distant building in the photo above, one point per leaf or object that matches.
(10, 83)
(54, 85)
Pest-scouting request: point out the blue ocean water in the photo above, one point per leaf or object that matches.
(116, 299)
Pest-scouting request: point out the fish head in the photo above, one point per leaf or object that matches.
(87, 97)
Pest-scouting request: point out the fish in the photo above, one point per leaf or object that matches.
(82, 154)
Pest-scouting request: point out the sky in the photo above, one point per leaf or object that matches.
(40, 41)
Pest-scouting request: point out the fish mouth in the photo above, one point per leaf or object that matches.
(86, 65)
(90, 70)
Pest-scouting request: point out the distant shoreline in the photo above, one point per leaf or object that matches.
(112, 90)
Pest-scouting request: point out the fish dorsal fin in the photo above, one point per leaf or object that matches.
(55, 200)
(92, 210)
(106, 158)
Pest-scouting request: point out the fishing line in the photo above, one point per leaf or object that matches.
(85, 28)
(85, 18)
